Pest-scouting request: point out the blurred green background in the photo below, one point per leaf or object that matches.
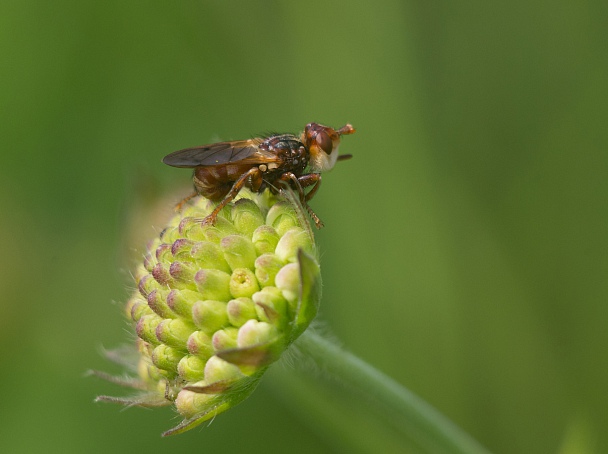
(465, 249)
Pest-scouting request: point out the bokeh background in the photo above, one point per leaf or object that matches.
(465, 251)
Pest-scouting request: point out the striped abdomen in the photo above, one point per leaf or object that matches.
(214, 182)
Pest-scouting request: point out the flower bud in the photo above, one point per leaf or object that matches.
(294, 239)
(199, 343)
(161, 275)
(224, 339)
(266, 268)
(243, 283)
(181, 301)
(282, 217)
(146, 328)
(265, 239)
(191, 368)
(218, 370)
(182, 249)
(163, 253)
(174, 332)
(146, 284)
(208, 255)
(288, 281)
(217, 304)
(246, 216)
(271, 306)
(254, 333)
(170, 234)
(183, 272)
(136, 308)
(189, 403)
(157, 301)
(166, 358)
(240, 310)
(212, 233)
(209, 315)
(213, 284)
(238, 251)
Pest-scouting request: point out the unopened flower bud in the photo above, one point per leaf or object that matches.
(146, 328)
(157, 301)
(246, 216)
(191, 368)
(161, 275)
(170, 234)
(199, 343)
(240, 310)
(166, 358)
(217, 304)
(282, 217)
(183, 272)
(181, 301)
(189, 403)
(254, 333)
(163, 253)
(243, 283)
(182, 250)
(213, 284)
(209, 315)
(293, 239)
(265, 239)
(288, 281)
(174, 332)
(217, 370)
(213, 233)
(238, 251)
(266, 268)
(224, 339)
(146, 284)
(271, 306)
(208, 255)
(136, 308)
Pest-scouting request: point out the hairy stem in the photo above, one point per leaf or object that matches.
(424, 424)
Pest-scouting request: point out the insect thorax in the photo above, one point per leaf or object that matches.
(291, 152)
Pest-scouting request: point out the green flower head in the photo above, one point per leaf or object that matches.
(217, 304)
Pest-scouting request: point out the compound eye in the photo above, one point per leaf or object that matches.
(324, 142)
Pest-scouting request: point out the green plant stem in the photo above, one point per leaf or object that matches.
(424, 424)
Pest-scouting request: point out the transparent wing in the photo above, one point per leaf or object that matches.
(243, 151)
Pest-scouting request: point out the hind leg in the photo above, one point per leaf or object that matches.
(254, 173)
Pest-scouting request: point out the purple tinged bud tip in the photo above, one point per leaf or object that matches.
(200, 344)
(157, 301)
(163, 253)
(161, 274)
(146, 284)
(181, 249)
(182, 271)
(181, 301)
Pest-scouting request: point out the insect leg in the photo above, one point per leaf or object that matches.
(310, 180)
(236, 188)
(289, 176)
(182, 202)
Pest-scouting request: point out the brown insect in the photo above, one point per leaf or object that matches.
(222, 169)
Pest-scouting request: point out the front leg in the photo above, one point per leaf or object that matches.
(300, 183)
(254, 173)
(310, 180)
